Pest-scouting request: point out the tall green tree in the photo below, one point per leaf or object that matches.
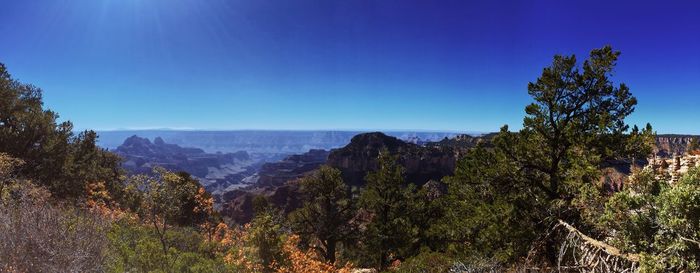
(387, 198)
(534, 176)
(576, 113)
(640, 143)
(266, 235)
(327, 212)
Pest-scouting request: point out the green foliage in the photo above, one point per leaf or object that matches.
(387, 198)
(427, 262)
(640, 144)
(634, 231)
(491, 208)
(426, 208)
(54, 156)
(575, 114)
(679, 222)
(137, 248)
(266, 237)
(326, 213)
(166, 199)
(659, 220)
(504, 198)
(169, 196)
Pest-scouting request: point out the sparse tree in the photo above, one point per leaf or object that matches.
(327, 211)
(265, 235)
(168, 199)
(640, 144)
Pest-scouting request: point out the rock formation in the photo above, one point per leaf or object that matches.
(216, 171)
(292, 167)
(674, 167)
(279, 181)
(422, 163)
(667, 145)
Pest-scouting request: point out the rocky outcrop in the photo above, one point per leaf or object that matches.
(277, 181)
(239, 203)
(422, 163)
(216, 171)
(673, 168)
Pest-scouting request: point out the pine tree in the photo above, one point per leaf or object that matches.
(387, 198)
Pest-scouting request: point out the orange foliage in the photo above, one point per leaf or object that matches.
(238, 254)
(205, 203)
(98, 201)
(306, 261)
(241, 255)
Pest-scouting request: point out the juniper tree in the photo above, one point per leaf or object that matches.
(576, 120)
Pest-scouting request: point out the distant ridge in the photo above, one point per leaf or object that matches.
(261, 141)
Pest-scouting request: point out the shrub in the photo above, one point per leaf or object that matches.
(38, 236)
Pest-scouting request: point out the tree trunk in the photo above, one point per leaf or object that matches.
(330, 251)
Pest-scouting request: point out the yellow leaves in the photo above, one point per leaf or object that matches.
(8, 164)
(98, 201)
(97, 192)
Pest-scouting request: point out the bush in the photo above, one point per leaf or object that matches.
(38, 236)
(427, 262)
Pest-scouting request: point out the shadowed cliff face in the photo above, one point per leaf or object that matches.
(667, 145)
(279, 181)
(292, 167)
(422, 163)
(239, 204)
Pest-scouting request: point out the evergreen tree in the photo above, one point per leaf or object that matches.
(53, 155)
(387, 198)
(640, 144)
(266, 235)
(576, 120)
(327, 211)
(535, 176)
(491, 212)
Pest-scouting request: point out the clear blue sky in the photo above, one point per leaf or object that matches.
(431, 65)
